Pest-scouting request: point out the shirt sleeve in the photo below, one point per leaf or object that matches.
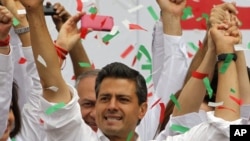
(66, 123)
(245, 112)
(6, 80)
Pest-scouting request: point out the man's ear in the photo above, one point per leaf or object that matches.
(143, 110)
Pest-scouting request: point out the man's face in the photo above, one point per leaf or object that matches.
(117, 108)
(86, 92)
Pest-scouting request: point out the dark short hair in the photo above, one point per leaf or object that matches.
(16, 110)
(119, 70)
(86, 74)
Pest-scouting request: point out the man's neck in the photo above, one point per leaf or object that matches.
(119, 138)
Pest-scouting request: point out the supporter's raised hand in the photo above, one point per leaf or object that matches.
(61, 16)
(5, 22)
(69, 34)
(172, 6)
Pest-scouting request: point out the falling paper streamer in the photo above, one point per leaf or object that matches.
(130, 135)
(232, 90)
(241, 47)
(55, 108)
(214, 104)
(193, 46)
(15, 22)
(223, 107)
(73, 77)
(22, 60)
(13, 139)
(126, 23)
(93, 10)
(149, 79)
(199, 75)
(143, 49)
(114, 30)
(146, 67)
(41, 60)
(84, 65)
(162, 112)
(187, 13)
(108, 37)
(226, 63)
(134, 9)
(136, 27)
(79, 5)
(150, 94)
(153, 13)
(156, 102)
(179, 128)
(21, 11)
(175, 101)
(127, 51)
(53, 88)
(208, 87)
(237, 100)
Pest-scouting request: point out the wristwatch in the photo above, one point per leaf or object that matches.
(223, 56)
(22, 30)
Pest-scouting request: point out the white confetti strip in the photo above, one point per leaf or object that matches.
(114, 30)
(213, 104)
(53, 88)
(21, 11)
(126, 23)
(41, 60)
(135, 8)
(240, 47)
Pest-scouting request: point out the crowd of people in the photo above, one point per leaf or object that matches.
(202, 96)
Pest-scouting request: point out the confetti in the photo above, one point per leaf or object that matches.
(84, 32)
(226, 63)
(54, 108)
(130, 135)
(214, 104)
(146, 67)
(114, 30)
(199, 75)
(21, 11)
(136, 27)
(237, 100)
(187, 13)
(41, 60)
(156, 102)
(84, 65)
(108, 37)
(150, 94)
(15, 22)
(223, 107)
(79, 5)
(126, 23)
(73, 77)
(135, 8)
(13, 139)
(208, 87)
(144, 50)
(53, 88)
(193, 46)
(179, 128)
(93, 10)
(127, 51)
(232, 90)
(148, 79)
(152, 13)
(175, 101)
(162, 112)
(22, 60)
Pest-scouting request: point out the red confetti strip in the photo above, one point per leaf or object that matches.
(190, 55)
(95, 36)
(162, 112)
(22, 60)
(134, 61)
(223, 107)
(199, 75)
(127, 51)
(150, 94)
(93, 66)
(73, 77)
(150, 86)
(237, 100)
(84, 32)
(135, 26)
(200, 44)
(156, 102)
(41, 121)
(79, 5)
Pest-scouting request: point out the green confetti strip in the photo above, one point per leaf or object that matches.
(232, 90)
(187, 12)
(139, 56)
(108, 37)
(208, 87)
(93, 10)
(193, 46)
(179, 128)
(54, 108)
(146, 67)
(153, 13)
(143, 49)
(15, 21)
(130, 135)
(248, 45)
(177, 104)
(148, 79)
(84, 65)
(13, 139)
(226, 63)
(205, 16)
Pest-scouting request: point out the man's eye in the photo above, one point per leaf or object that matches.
(87, 105)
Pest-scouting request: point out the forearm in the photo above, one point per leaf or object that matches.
(244, 85)
(193, 92)
(171, 24)
(43, 46)
(77, 55)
